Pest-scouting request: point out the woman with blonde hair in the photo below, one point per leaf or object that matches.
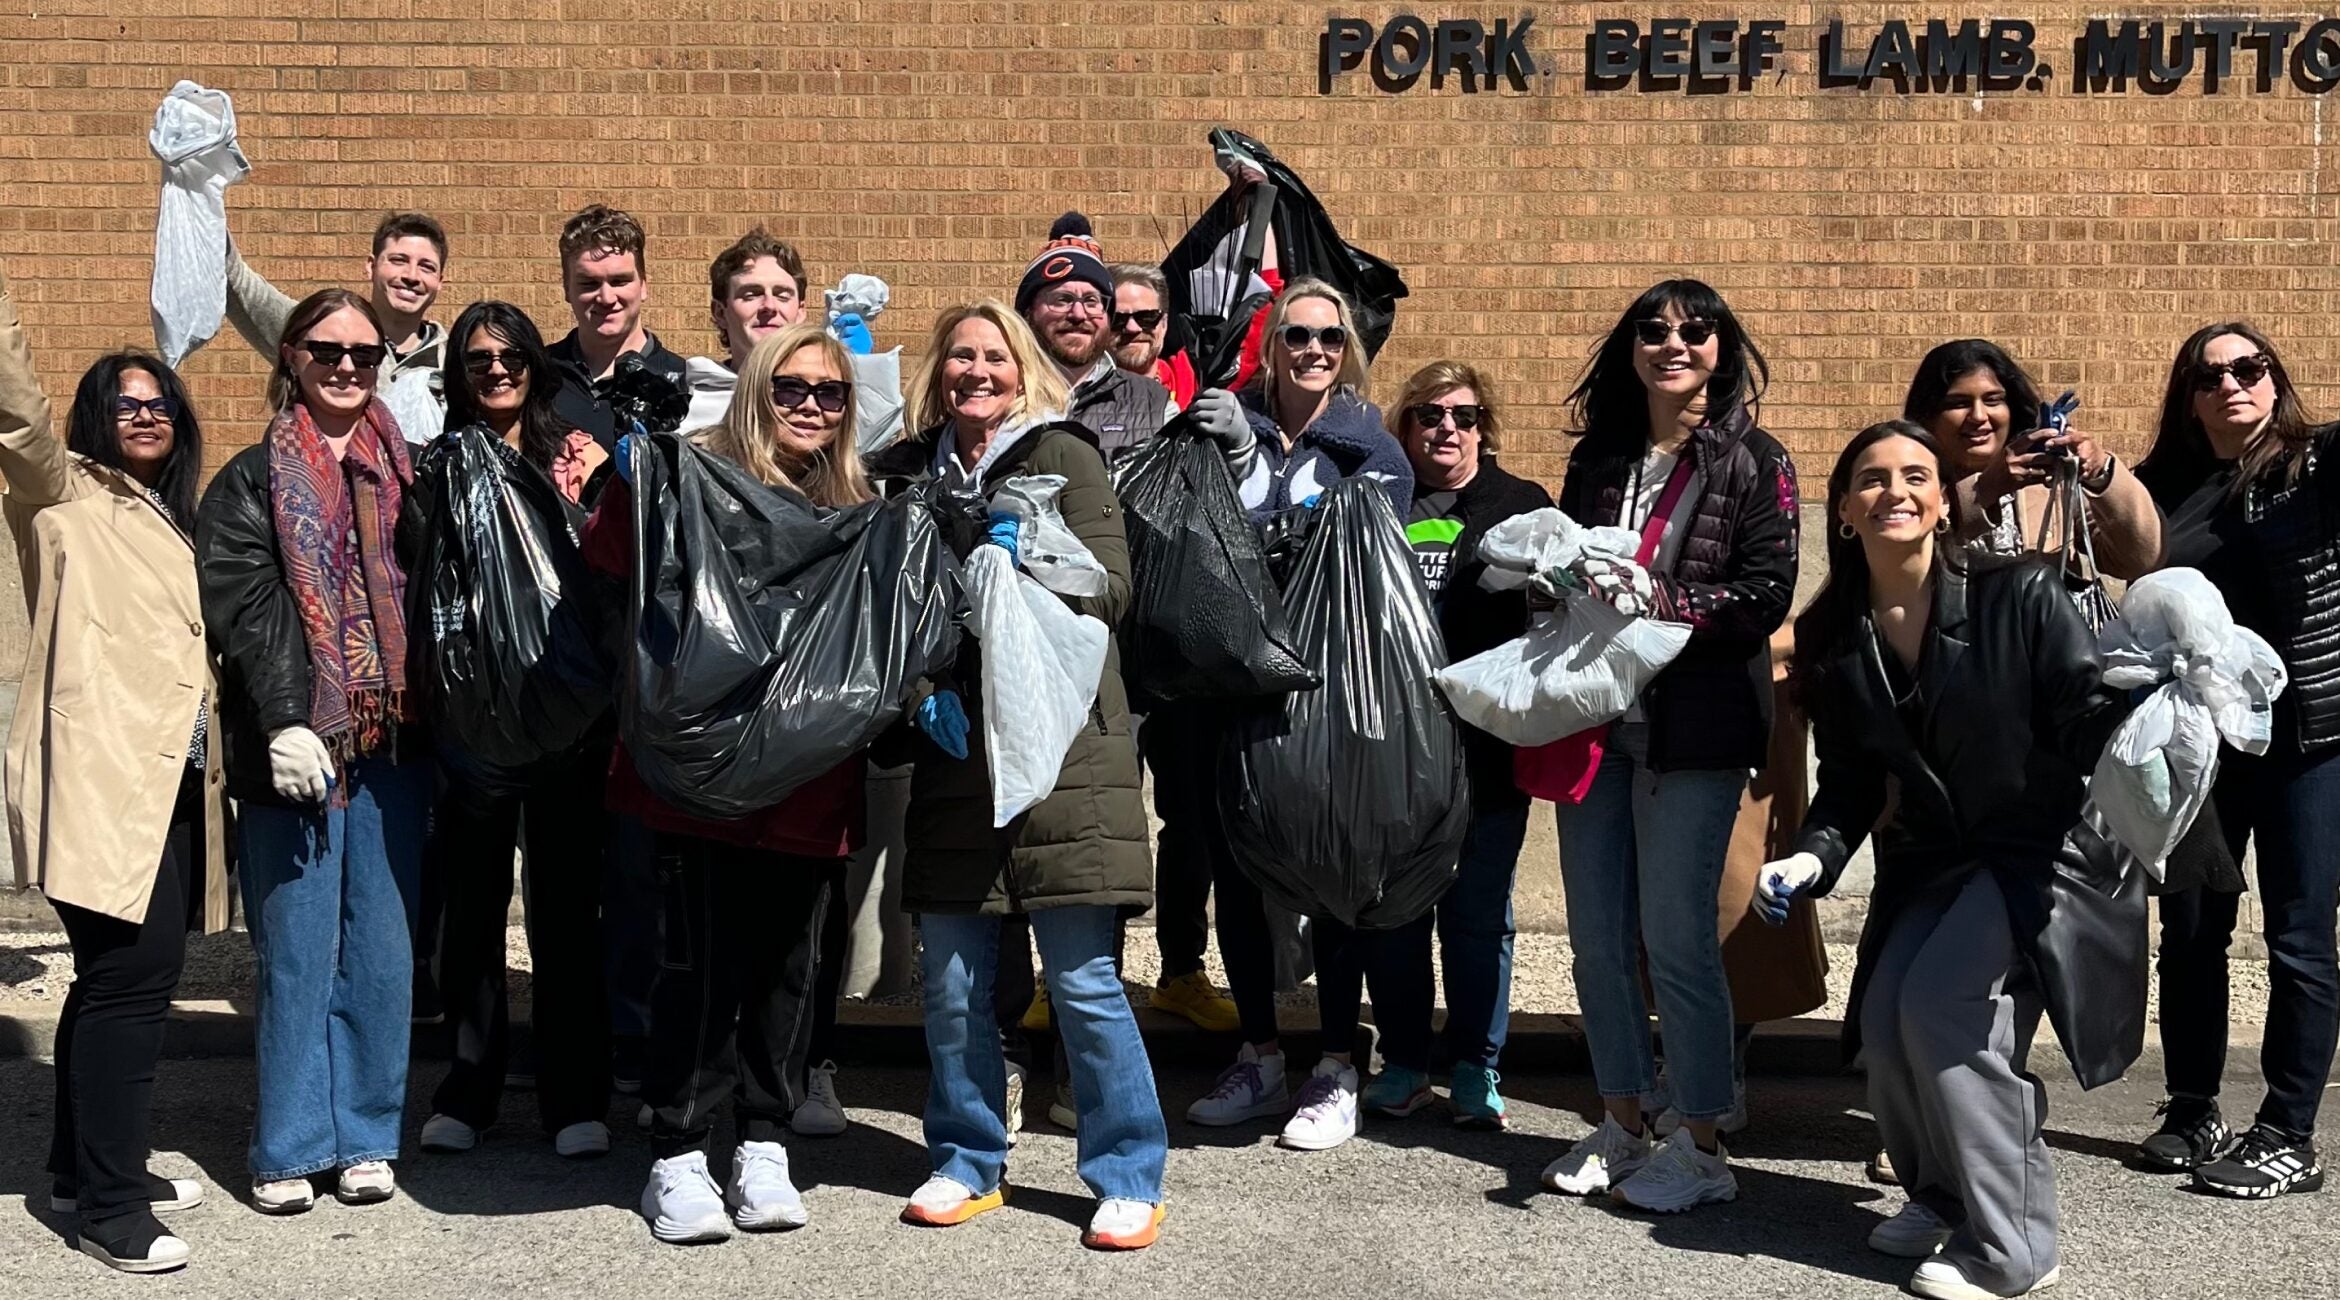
(735, 1003)
(1075, 866)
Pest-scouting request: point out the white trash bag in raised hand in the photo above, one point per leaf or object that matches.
(1577, 667)
(2212, 681)
(194, 135)
(1046, 546)
(1041, 666)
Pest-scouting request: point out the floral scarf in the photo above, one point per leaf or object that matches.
(335, 521)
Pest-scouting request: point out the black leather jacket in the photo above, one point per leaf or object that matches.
(255, 630)
(2012, 715)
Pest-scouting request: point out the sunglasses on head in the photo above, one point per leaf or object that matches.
(1332, 338)
(482, 364)
(1429, 415)
(366, 356)
(1654, 331)
(789, 392)
(1144, 320)
(161, 408)
(2246, 371)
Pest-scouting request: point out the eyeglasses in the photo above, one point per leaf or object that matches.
(1082, 302)
(162, 409)
(2247, 371)
(1297, 337)
(482, 364)
(1653, 331)
(1144, 320)
(366, 356)
(1429, 415)
(789, 392)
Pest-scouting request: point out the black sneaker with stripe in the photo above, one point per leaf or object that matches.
(2265, 1164)
(2192, 1134)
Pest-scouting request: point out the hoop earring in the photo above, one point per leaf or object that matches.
(1847, 532)
(1942, 525)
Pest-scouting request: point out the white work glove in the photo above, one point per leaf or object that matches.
(299, 765)
(1622, 583)
(1777, 884)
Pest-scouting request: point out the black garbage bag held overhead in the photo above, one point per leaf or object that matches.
(770, 639)
(1205, 619)
(508, 645)
(1351, 800)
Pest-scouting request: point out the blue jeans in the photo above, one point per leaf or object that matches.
(1659, 836)
(330, 895)
(1123, 1141)
(1474, 927)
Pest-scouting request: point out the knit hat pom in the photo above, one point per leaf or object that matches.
(1071, 224)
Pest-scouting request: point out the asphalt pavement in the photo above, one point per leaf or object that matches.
(1410, 1208)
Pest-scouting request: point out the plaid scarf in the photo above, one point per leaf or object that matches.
(334, 525)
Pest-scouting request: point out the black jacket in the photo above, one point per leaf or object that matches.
(255, 629)
(1732, 582)
(580, 407)
(1474, 620)
(2012, 715)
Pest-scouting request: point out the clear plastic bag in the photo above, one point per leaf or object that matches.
(1041, 666)
(194, 135)
(1046, 546)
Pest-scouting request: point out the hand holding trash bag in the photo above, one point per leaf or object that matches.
(1005, 532)
(1219, 417)
(944, 720)
(852, 331)
(1778, 883)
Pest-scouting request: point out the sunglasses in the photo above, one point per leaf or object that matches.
(789, 392)
(1653, 332)
(1144, 320)
(1332, 337)
(2247, 371)
(482, 364)
(162, 409)
(1429, 415)
(366, 356)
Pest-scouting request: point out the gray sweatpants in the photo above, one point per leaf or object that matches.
(1943, 1023)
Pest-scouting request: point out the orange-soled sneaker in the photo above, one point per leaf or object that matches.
(1123, 1225)
(946, 1203)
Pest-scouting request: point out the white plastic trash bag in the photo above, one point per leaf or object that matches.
(1041, 666)
(1046, 546)
(195, 137)
(877, 400)
(2213, 680)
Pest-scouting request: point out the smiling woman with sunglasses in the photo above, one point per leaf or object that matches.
(2251, 489)
(306, 603)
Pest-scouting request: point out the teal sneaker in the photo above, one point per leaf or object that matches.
(1476, 1103)
(1397, 1091)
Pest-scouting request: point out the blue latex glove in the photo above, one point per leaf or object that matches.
(1310, 503)
(624, 455)
(852, 331)
(944, 720)
(1007, 533)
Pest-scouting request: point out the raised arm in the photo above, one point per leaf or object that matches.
(255, 307)
(31, 457)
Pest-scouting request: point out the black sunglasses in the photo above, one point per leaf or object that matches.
(2246, 371)
(1332, 337)
(1429, 415)
(1144, 320)
(789, 392)
(1654, 331)
(161, 408)
(367, 356)
(482, 364)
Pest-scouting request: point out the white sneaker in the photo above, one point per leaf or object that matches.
(1123, 1225)
(1730, 1123)
(283, 1196)
(1327, 1114)
(1939, 1279)
(682, 1202)
(366, 1183)
(162, 1255)
(185, 1194)
(1678, 1177)
(1014, 1118)
(760, 1194)
(820, 1115)
(447, 1135)
(643, 1118)
(1602, 1159)
(582, 1139)
(1915, 1233)
(1252, 1088)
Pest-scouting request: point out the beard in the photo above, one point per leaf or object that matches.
(1075, 352)
(1138, 357)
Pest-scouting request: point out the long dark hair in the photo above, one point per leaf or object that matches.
(542, 431)
(1929, 388)
(1834, 616)
(1609, 402)
(92, 431)
(2181, 447)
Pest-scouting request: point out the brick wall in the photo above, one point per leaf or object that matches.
(931, 143)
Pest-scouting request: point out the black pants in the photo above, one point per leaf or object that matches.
(110, 1032)
(1182, 750)
(560, 817)
(734, 1009)
(835, 924)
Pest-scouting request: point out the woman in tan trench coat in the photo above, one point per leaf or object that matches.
(115, 800)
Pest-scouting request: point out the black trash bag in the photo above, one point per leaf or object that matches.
(505, 618)
(638, 395)
(1351, 800)
(1307, 246)
(1205, 620)
(770, 639)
